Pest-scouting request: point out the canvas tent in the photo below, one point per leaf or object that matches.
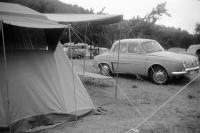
(37, 78)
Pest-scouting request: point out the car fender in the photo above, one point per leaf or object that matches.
(98, 61)
(168, 66)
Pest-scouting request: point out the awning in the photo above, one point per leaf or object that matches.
(30, 22)
(18, 15)
(85, 18)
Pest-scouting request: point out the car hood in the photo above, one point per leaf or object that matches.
(173, 56)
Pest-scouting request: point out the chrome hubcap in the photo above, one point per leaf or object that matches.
(160, 76)
(105, 70)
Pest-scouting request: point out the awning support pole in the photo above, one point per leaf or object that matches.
(85, 52)
(116, 87)
(73, 74)
(6, 78)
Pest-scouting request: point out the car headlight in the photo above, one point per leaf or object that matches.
(197, 61)
(184, 64)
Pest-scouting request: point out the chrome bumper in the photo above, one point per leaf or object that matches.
(187, 70)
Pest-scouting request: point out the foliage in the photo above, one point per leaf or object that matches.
(197, 28)
(197, 35)
(156, 13)
(105, 35)
(146, 27)
(167, 36)
(50, 6)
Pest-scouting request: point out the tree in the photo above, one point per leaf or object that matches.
(156, 13)
(50, 6)
(197, 28)
(101, 11)
(197, 34)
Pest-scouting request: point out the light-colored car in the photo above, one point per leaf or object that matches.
(145, 57)
(178, 50)
(75, 52)
(194, 50)
(103, 50)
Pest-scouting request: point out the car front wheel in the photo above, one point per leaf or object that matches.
(158, 75)
(105, 69)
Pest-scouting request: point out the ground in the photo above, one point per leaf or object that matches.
(137, 99)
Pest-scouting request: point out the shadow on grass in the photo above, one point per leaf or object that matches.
(132, 77)
(180, 81)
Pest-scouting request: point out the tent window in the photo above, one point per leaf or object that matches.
(24, 38)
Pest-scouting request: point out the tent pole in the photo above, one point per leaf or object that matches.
(70, 42)
(85, 52)
(5, 67)
(116, 87)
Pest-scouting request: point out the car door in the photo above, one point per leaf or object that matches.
(123, 53)
(117, 57)
(136, 59)
(131, 58)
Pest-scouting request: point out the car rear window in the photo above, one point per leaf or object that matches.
(135, 48)
(123, 47)
(152, 46)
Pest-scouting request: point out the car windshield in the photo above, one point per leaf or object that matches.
(152, 46)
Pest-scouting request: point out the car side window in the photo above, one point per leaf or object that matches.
(135, 48)
(123, 47)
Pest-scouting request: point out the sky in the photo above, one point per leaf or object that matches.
(184, 13)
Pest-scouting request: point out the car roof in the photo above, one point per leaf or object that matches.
(136, 40)
(194, 46)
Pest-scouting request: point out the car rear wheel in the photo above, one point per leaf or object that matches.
(158, 75)
(105, 69)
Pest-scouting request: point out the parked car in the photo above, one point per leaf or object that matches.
(178, 50)
(145, 57)
(194, 50)
(103, 50)
(73, 52)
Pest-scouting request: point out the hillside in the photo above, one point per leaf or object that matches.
(50, 6)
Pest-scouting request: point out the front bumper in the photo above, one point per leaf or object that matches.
(187, 70)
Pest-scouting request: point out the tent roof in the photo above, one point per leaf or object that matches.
(18, 15)
(85, 18)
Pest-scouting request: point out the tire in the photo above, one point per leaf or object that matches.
(159, 75)
(105, 69)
